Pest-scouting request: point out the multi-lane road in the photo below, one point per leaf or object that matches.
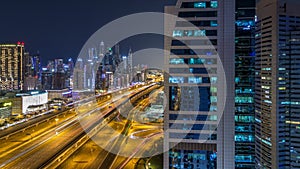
(122, 141)
(38, 144)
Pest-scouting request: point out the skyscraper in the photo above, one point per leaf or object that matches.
(277, 119)
(11, 66)
(244, 84)
(102, 50)
(130, 63)
(32, 71)
(79, 75)
(192, 132)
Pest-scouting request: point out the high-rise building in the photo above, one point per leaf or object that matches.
(125, 64)
(130, 63)
(32, 71)
(244, 84)
(46, 79)
(11, 66)
(117, 53)
(277, 120)
(58, 80)
(193, 135)
(58, 65)
(79, 75)
(102, 50)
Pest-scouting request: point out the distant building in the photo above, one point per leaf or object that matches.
(11, 66)
(79, 75)
(58, 65)
(101, 80)
(31, 83)
(59, 80)
(32, 72)
(46, 79)
(130, 62)
(101, 50)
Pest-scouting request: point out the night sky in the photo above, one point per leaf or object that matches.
(59, 28)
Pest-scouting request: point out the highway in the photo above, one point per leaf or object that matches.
(31, 150)
(122, 141)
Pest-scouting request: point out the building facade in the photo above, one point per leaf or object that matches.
(32, 72)
(277, 84)
(244, 84)
(11, 66)
(198, 132)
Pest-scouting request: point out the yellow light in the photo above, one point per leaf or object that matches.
(7, 104)
(292, 122)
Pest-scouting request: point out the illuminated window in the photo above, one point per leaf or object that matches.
(244, 128)
(200, 5)
(213, 23)
(213, 80)
(199, 33)
(281, 88)
(267, 69)
(214, 4)
(196, 61)
(176, 80)
(213, 89)
(244, 158)
(176, 61)
(213, 108)
(213, 99)
(195, 80)
(177, 33)
(213, 118)
(188, 33)
(244, 119)
(265, 87)
(245, 23)
(244, 100)
(243, 138)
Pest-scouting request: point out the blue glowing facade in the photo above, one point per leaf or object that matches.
(195, 133)
(244, 84)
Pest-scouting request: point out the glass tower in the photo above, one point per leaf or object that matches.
(198, 133)
(244, 84)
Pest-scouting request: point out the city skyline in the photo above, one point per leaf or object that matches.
(59, 29)
(174, 84)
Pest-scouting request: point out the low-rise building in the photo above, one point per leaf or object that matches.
(23, 101)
